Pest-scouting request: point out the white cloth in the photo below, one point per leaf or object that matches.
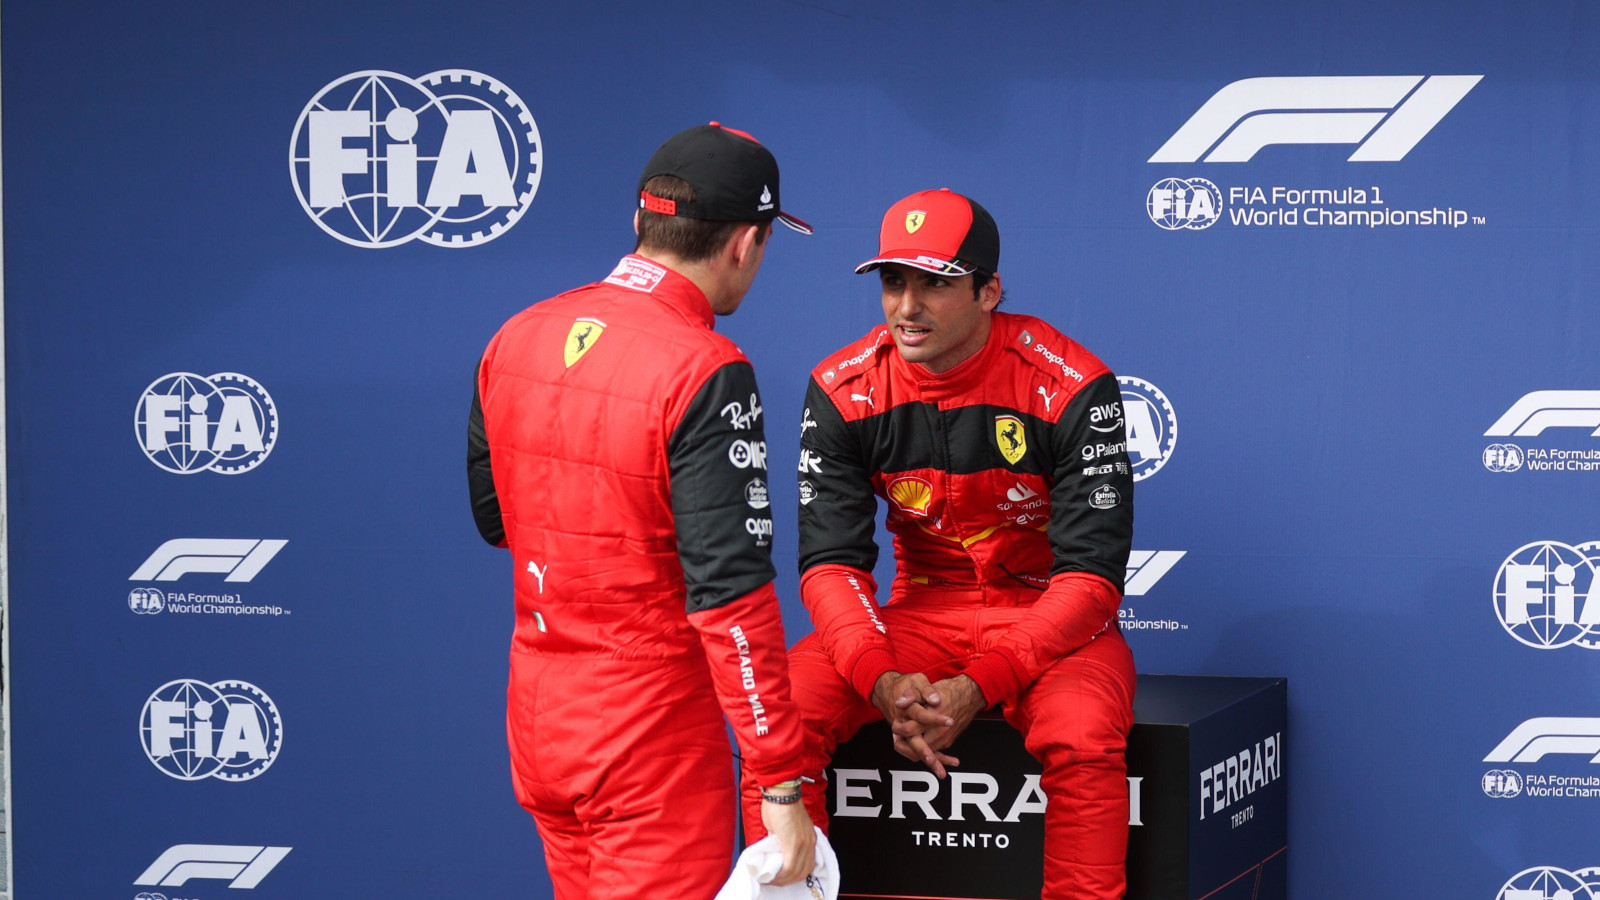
(759, 863)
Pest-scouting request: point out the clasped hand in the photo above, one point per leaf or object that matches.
(927, 717)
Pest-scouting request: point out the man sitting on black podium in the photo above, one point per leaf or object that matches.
(998, 444)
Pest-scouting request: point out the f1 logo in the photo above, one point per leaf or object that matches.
(244, 866)
(1145, 568)
(241, 560)
(1317, 110)
(1535, 739)
(1539, 410)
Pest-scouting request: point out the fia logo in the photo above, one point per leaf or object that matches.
(1502, 784)
(1551, 883)
(229, 730)
(452, 158)
(146, 601)
(1177, 204)
(1152, 425)
(1543, 595)
(187, 423)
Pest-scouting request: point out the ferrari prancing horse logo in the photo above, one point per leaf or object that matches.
(582, 338)
(1011, 436)
(914, 220)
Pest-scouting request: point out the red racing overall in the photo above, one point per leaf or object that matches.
(1010, 497)
(616, 447)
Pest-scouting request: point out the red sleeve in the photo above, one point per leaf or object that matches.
(744, 644)
(1074, 610)
(840, 600)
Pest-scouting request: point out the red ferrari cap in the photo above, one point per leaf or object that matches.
(940, 232)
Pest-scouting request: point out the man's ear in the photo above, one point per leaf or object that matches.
(989, 295)
(636, 221)
(743, 244)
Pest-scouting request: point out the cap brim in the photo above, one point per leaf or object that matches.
(795, 224)
(926, 263)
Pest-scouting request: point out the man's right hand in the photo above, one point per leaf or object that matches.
(791, 825)
(906, 702)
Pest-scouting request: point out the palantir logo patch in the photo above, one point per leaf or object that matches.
(1386, 114)
(187, 423)
(229, 730)
(452, 158)
(243, 867)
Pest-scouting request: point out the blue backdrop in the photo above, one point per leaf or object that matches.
(1349, 512)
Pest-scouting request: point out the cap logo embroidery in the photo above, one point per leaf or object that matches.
(766, 199)
(914, 220)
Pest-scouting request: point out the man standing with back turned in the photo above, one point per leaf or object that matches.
(616, 447)
(998, 445)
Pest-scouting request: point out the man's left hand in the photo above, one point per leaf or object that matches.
(960, 699)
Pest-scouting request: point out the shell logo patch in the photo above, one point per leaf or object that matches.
(1011, 436)
(914, 220)
(581, 339)
(911, 495)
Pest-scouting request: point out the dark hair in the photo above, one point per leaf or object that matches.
(981, 278)
(691, 240)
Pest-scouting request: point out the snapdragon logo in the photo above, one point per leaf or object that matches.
(1386, 114)
(1544, 595)
(1555, 432)
(452, 158)
(229, 730)
(243, 867)
(1551, 883)
(1152, 425)
(187, 423)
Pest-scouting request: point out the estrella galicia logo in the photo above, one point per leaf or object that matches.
(228, 729)
(1551, 883)
(187, 423)
(146, 601)
(452, 158)
(1184, 203)
(1502, 784)
(1152, 425)
(1545, 595)
(148, 895)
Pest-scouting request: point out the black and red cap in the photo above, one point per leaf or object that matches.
(940, 232)
(735, 178)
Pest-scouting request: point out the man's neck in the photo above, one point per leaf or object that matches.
(699, 273)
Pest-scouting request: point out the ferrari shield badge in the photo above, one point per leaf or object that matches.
(914, 220)
(582, 338)
(1012, 438)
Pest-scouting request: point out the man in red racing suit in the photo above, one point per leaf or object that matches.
(616, 447)
(998, 445)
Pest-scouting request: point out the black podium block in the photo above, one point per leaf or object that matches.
(1208, 803)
